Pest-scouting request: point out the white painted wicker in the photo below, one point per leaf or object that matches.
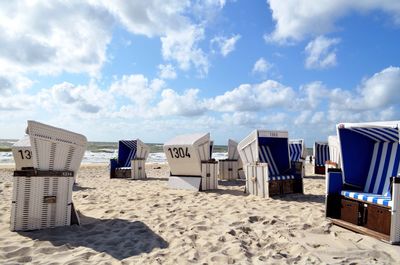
(395, 220)
(257, 179)
(185, 153)
(228, 169)
(54, 148)
(41, 200)
(138, 169)
(209, 180)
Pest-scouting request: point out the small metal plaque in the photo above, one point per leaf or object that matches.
(50, 199)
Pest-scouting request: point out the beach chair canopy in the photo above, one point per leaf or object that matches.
(370, 154)
(321, 153)
(54, 148)
(270, 147)
(185, 153)
(131, 149)
(233, 153)
(334, 149)
(297, 149)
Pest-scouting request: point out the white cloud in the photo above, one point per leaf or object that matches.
(321, 53)
(74, 35)
(225, 45)
(248, 97)
(78, 100)
(261, 66)
(187, 104)
(312, 94)
(297, 19)
(181, 46)
(137, 88)
(379, 91)
(51, 37)
(167, 71)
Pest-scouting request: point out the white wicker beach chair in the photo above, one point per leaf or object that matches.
(42, 196)
(189, 161)
(321, 156)
(364, 195)
(228, 169)
(267, 165)
(132, 156)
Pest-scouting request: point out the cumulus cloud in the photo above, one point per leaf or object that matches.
(182, 47)
(248, 97)
(261, 66)
(379, 91)
(137, 88)
(224, 44)
(167, 71)
(73, 37)
(186, 104)
(75, 99)
(321, 53)
(297, 19)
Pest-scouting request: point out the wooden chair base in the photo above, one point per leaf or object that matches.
(361, 217)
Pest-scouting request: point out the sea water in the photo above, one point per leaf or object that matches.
(102, 152)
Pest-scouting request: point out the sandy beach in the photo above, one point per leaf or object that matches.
(145, 222)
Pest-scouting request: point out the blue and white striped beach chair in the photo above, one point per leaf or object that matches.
(365, 194)
(128, 150)
(321, 155)
(297, 150)
(267, 165)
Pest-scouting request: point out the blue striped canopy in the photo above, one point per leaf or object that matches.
(296, 150)
(275, 152)
(126, 152)
(370, 157)
(321, 153)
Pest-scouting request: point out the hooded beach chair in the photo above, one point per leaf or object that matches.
(132, 155)
(42, 194)
(321, 155)
(267, 165)
(334, 152)
(189, 159)
(364, 195)
(228, 169)
(297, 151)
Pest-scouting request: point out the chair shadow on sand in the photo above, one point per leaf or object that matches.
(118, 238)
(77, 187)
(301, 198)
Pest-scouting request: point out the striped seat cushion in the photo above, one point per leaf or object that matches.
(285, 177)
(369, 197)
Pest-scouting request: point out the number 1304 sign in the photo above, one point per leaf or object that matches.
(179, 152)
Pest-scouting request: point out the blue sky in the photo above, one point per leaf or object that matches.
(153, 69)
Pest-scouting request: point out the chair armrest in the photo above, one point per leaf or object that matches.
(334, 181)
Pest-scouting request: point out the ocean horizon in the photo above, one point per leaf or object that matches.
(102, 152)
